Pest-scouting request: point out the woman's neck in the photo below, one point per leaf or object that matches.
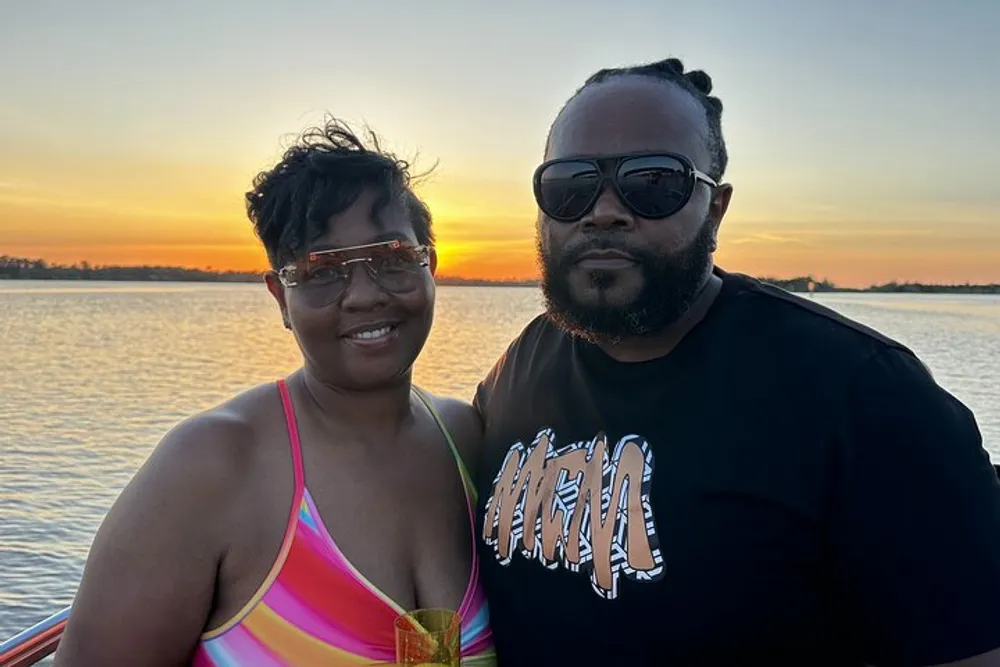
(375, 415)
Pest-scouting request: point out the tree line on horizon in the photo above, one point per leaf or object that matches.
(21, 268)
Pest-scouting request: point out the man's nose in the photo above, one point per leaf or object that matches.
(609, 212)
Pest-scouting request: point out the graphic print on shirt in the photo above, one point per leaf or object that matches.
(580, 506)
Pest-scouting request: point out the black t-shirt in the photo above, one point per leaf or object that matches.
(785, 487)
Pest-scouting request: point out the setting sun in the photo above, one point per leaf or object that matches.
(128, 156)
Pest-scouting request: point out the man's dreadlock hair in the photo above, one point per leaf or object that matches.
(322, 175)
(696, 82)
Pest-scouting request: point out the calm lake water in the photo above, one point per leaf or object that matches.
(93, 374)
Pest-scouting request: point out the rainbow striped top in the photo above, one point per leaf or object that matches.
(315, 608)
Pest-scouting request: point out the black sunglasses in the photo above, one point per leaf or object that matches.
(652, 185)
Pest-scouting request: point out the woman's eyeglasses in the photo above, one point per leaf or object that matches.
(324, 275)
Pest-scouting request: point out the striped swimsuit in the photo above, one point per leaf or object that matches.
(315, 608)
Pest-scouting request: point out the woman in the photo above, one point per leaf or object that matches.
(294, 523)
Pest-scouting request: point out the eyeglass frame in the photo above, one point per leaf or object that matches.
(312, 256)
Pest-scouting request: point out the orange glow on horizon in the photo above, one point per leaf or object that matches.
(485, 230)
(490, 261)
(123, 151)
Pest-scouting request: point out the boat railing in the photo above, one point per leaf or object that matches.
(30, 646)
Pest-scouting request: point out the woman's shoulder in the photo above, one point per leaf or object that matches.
(161, 546)
(226, 430)
(463, 424)
(209, 452)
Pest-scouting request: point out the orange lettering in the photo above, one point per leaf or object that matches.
(527, 489)
(511, 485)
(553, 522)
(627, 464)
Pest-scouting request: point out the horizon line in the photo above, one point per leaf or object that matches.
(40, 264)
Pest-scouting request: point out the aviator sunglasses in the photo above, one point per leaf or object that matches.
(323, 276)
(651, 185)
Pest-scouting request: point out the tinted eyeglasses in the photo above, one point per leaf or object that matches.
(322, 277)
(652, 185)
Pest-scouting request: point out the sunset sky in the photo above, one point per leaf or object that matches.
(863, 135)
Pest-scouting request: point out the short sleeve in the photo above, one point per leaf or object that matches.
(484, 390)
(501, 370)
(915, 520)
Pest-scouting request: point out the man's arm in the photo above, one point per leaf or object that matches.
(915, 522)
(149, 581)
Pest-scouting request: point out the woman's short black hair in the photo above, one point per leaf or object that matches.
(321, 175)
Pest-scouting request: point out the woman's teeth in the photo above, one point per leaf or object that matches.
(372, 334)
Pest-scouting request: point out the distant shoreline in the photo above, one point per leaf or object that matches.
(17, 268)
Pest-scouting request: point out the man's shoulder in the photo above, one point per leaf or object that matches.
(539, 340)
(541, 331)
(539, 348)
(802, 324)
(795, 347)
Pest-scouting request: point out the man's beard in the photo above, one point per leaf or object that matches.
(670, 284)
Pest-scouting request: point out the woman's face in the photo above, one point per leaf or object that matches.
(359, 331)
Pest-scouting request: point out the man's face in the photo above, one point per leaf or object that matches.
(664, 262)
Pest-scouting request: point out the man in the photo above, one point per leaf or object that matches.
(684, 466)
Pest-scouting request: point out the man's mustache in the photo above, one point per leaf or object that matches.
(600, 241)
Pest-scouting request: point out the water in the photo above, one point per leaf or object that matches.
(93, 374)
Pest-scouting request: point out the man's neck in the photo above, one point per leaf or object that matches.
(374, 416)
(659, 344)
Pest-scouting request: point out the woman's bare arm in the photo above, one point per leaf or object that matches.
(150, 577)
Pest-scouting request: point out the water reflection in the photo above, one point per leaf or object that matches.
(92, 375)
